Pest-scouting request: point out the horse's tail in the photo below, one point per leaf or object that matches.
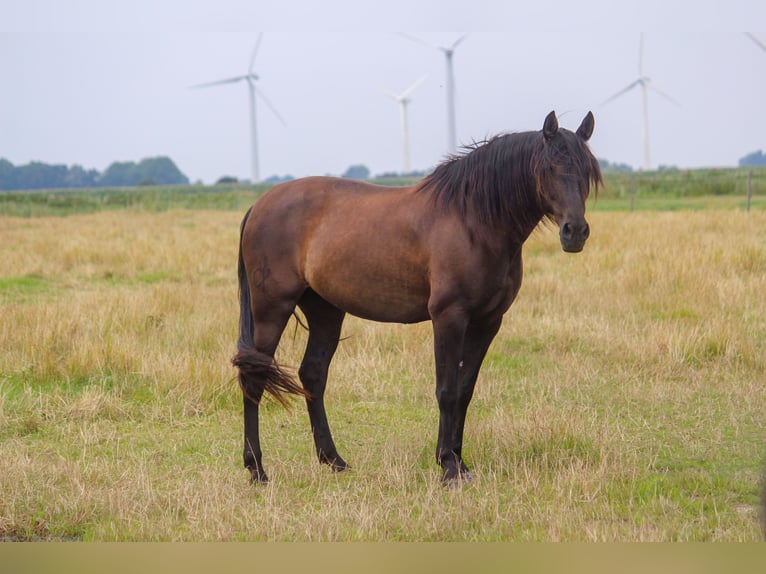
(258, 372)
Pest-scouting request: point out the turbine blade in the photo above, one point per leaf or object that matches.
(390, 94)
(220, 82)
(621, 92)
(411, 89)
(757, 41)
(416, 40)
(270, 105)
(255, 53)
(656, 90)
(641, 56)
(458, 41)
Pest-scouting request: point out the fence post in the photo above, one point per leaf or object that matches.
(749, 189)
(632, 191)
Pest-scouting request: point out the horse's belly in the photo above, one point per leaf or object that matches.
(389, 309)
(375, 293)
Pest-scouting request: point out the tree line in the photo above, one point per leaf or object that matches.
(753, 159)
(38, 175)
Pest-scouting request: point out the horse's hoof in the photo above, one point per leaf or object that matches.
(258, 478)
(459, 481)
(336, 463)
(340, 467)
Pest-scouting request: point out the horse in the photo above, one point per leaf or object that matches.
(447, 249)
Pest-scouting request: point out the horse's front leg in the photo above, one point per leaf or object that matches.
(478, 338)
(453, 406)
(449, 337)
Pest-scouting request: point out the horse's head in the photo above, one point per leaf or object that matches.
(565, 171)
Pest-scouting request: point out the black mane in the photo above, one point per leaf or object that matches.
(499, 180)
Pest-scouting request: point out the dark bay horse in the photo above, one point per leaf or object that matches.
(447, 249)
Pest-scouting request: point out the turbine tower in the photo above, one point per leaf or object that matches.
(645, 84)
(251, 78)
(449, 52)
(404, 100)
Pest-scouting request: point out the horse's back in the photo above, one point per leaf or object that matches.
(310, 197)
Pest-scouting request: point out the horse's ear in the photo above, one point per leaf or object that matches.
(551, 126)
(586, 127)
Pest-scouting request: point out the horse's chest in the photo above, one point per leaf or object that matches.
(500, 286)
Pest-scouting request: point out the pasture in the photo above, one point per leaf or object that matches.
(623, 398)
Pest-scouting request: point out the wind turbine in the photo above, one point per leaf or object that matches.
(404, 100)
(449, 52)
(756, 40)
(251, 78)
(645, 84)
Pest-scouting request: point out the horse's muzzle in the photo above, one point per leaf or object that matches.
(573, 235)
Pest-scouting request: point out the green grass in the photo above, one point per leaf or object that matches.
(74, 201)
(22, 287)
(670, 203)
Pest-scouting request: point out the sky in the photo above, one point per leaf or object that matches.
(91, 82)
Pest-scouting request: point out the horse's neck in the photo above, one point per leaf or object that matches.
(524, 213)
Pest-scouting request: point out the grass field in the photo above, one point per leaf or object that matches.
(622, 400)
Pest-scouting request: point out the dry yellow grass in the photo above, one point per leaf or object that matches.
(622, 400)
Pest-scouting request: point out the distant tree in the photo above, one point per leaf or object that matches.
(755, 158)
(161, 170)
(38, 175)
(7, 175)
(357, 172)
(119, 174)
(226, 180)
(80, 177)
(278, 179)
(608, 166)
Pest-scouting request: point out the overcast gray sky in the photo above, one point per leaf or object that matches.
(91, 82)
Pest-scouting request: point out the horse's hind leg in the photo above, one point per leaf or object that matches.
(252, 453)
(324, 323)
(268, 327)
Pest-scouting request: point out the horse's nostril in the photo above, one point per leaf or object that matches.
(575, 231)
